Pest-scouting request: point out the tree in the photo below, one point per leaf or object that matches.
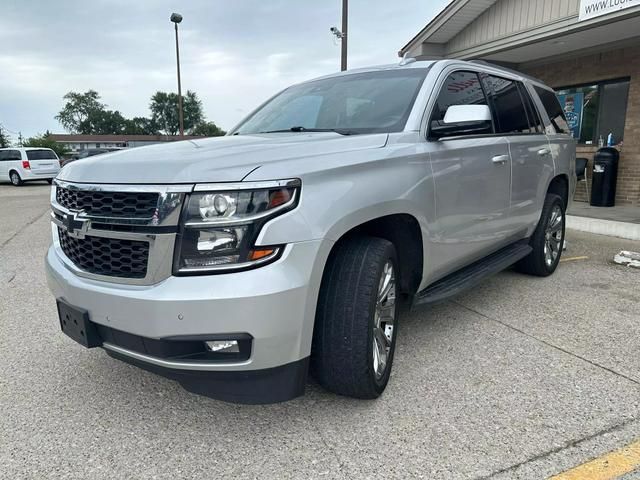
(80, 111)
(192, 107)
(44, 141)
(140, 126)
(208, 129)
(106, 122)
(4, 138)
(83, 113)
(164, 112)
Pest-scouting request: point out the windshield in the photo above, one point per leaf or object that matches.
(44, 154)
(369, 102)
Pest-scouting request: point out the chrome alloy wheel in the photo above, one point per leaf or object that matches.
(384, 317)
(553, 235)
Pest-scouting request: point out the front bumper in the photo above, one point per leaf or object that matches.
(274, 304)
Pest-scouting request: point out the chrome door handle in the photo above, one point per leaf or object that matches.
(544, 151)
(500, 159)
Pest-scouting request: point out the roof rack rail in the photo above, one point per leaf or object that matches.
(406, 59)
(506, 69)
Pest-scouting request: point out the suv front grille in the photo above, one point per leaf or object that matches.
(113, 257)
(109, 204)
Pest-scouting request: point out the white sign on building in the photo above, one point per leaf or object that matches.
(595, 8)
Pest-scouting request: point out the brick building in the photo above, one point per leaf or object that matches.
(588, 50)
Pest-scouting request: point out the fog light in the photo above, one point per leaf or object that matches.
(223, 346)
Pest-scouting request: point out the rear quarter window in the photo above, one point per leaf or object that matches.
(553, 109)
(44, 154)
(8, 155)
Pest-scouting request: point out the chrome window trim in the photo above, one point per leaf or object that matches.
(233, 186)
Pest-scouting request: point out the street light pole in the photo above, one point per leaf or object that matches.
(345, 20)
(176, 18)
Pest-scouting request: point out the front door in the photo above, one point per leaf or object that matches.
(472, 177)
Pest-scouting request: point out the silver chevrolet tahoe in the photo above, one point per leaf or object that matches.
(236, 265)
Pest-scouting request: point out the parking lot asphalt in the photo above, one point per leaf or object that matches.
(519, 378)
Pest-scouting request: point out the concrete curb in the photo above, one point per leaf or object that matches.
(630, 231)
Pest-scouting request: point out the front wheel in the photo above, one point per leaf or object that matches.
(547, 240)
(15, 178)
(356, 318)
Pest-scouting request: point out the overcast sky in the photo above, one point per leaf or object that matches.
(234, 54)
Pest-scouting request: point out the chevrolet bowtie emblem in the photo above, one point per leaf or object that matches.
(75, 228)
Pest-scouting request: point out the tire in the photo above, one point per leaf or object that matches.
(547, 239)
(14, 176)
(342, 358)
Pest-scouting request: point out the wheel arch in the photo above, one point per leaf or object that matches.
(17, 172)
(403, 230)
(559, 185)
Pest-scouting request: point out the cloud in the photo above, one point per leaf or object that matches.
(233, 54)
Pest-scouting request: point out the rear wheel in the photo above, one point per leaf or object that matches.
(355, 330)
(15, 178)
(547, 240)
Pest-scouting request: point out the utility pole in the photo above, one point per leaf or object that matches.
(341, 35)
(345, 21)
(20, 139)
(176, 18)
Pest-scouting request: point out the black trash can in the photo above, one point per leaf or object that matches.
(604, 177)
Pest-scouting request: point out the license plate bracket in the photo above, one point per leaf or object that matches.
(75, 323)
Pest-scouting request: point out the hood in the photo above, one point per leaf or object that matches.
(220, 159)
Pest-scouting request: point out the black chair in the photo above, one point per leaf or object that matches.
(581, 173)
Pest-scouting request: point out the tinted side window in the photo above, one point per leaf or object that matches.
(511, 116)
(532, 113)
(553, 108)
(41, 155)
(7, 155)
(460, 88)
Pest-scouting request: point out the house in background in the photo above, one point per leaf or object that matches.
(76, 143)
(588, 50)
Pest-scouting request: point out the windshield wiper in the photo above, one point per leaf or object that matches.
(305, 129)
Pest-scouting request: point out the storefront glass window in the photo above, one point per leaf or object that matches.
(613, 110)
(595, 111)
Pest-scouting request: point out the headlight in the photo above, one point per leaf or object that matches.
(221, 223)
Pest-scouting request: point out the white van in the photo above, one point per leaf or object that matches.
(25, 164)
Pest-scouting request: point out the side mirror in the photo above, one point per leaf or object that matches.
(462, 120)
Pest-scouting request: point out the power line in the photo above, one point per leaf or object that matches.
(7, 130)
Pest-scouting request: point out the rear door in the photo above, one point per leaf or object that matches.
(472, 176)
(562, 144)
(43, 161)
(531, 160)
